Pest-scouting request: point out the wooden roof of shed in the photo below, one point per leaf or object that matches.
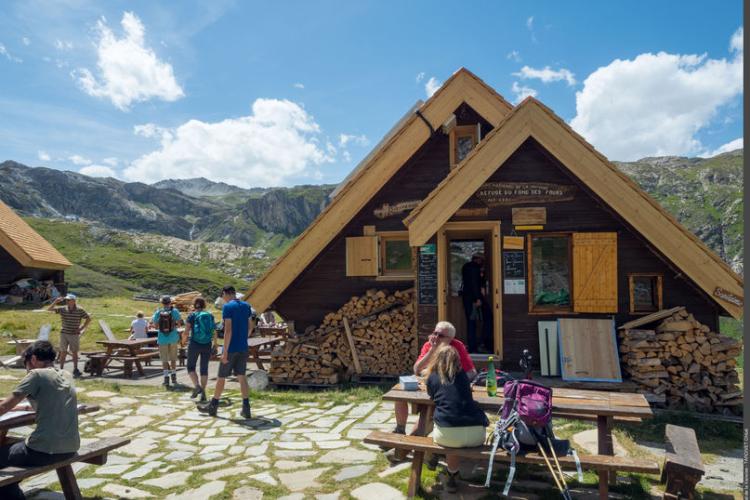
(532, 119)
(384, 162)
(26, 245)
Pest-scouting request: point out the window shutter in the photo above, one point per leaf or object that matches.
(595, 272)
(362, 256)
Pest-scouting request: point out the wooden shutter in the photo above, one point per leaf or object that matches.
(595, 272)
(362, 256)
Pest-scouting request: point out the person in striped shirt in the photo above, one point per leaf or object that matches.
(71, 331)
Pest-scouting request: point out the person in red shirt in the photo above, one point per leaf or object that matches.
(444, 334)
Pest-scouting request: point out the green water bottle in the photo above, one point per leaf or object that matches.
(491, 378)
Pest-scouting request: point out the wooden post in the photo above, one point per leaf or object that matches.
(604, 435)
(415, 478)
(68, 483)
(355, 357)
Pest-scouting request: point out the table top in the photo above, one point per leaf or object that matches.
(30, 417)
(128, 342)
(564, 401)
(258, 341)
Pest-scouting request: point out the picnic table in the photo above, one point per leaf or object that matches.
(128, 351)
(566, 403)
(261, 345)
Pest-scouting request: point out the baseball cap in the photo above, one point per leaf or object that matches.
(70, 296)
(166, 299)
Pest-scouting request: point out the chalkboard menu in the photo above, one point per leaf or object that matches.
(514, 265)
(427, 275)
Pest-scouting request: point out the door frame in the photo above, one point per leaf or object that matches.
(442, 257)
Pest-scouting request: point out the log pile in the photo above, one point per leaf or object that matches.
(682, 363)
(184, 301)
(382, 328)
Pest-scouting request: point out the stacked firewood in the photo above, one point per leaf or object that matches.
(682, 363)
(184, 301)
(382, 328)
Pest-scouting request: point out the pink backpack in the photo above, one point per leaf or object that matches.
(532, 402)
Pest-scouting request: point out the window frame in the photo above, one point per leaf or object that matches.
(384, 272)
(659, 292)
(461, 131)
(541, 310)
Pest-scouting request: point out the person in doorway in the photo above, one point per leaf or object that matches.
(139, 327)
(476, 306)
(458, 420)
(70, 333)
(238, 324)
(199, 328)
(52, 395)
(166, 319)
(443, 335)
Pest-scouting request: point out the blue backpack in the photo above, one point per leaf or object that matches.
(203, 327)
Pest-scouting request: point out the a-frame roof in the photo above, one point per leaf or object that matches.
(26, 245)
(532, 119)
(462, 86)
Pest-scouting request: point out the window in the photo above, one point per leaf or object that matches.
(462, 140)
(645, 293)
(549, 273)
(395, 256)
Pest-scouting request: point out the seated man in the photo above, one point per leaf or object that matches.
(444, 334)
(52, 394)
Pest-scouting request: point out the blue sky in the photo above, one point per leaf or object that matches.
(283, 93)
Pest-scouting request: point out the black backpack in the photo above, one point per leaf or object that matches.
(166, 321)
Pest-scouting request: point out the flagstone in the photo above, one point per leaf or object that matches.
(114, 431)
(122, 401)
(394, 469)
(210, 433)
(343, 425)
(293, 453)
(210, 456)
(50, 477)
(234, 429)
(254, 451)
(182, 446)
(322, 436)
(135, 421)
(301, 480)
(108, 418)
(336, 410)
(113, 469)
(121, 491)
(328, 496)
(358, 434)
(352, 472)
(172, 428)
(233, 471)
(347, 456)
(259, 437)
(294, 445)
(191, 438)
(290, 464)
(325, 422)
(179, 455)
(205, 491)
(90, 482)
(264, 477)
(332, 445)
(362, 409)
(115, 459)
(101, 394)
(139, 447)
(293, 496)
(171, 480)
(247, 493)
(378, 417)
(152, 457)
(142, 470)
(377, 491)
(216, 441)
(211, 465)
(236, 450)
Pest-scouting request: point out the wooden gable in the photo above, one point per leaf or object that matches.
(646, 216)
(27, 246)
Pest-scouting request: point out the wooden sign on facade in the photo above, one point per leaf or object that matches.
(512, 242)
(472, 212)
(529, 216)
(496, 194)
(728, 296)
(388, 210)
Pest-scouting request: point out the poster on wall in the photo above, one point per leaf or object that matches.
(514, 287)
(427, 275)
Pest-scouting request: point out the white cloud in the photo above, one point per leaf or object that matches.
(514, 56)
(546, 74)
(522, 92)
(79, 160)
(25, 40)
(432, 85)
(299, 85)
(725, 148)
(359, 140)
(8, 55)
(97, 171)
(530, 23)
(129, 71)
(655, 104)
(735, 44)
(111, 161)
(63, 44)
(420, 76)
(43, 156)
(277, 142)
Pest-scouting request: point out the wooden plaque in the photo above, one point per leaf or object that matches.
(512, 242)
(529, 216)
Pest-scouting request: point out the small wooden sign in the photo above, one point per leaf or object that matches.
(388, 210)
(528, 228)
(495, 194)
(472, 212)
(512, 242)
(728, 296)
(529, 216)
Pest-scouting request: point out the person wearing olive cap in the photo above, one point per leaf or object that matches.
(71, 331)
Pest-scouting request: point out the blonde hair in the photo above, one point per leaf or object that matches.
(445, 363)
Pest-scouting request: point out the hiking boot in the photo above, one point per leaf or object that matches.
(396, 430)
(203, 396)
(174, 378)
(432, 463)
(209, 408)
(451, 482)
(197, 390)
(246, 411)
(166, 382)
(76, 373)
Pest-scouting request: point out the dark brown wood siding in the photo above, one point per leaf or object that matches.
(11, 270)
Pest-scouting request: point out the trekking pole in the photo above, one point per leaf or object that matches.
(557, 462)
(551, 469)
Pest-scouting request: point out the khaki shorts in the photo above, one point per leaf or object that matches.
(70, 343)
(168, 352)
(459, 437)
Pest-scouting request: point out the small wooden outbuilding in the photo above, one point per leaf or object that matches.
(24, 253)
(564, 233)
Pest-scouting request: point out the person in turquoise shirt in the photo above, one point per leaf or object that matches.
(166, 319)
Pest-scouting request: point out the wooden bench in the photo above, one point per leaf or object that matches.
(99, 361)
(683, 465)
(420, 445)
(93, 453)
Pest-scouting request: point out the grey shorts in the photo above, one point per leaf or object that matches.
(237, 364)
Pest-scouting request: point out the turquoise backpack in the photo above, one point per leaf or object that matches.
(203, 327)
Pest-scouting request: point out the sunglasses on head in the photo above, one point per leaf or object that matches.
(440, 334)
